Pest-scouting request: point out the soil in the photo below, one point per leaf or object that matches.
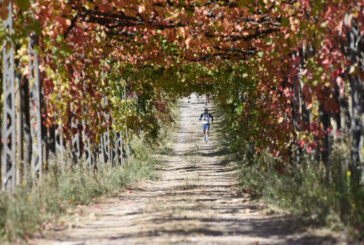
(195, 200)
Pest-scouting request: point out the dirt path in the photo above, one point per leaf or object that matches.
(193, 202)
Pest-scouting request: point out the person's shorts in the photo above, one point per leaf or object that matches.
(205, 127)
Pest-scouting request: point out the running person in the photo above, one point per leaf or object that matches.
(206, 117)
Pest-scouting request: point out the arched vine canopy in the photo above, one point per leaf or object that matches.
(278, 66)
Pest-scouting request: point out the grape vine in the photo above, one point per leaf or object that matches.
(289, 72)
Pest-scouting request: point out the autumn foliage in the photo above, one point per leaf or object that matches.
(301, 85)
(287, 74)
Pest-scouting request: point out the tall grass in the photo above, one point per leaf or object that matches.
(304, 190)
(318, 194)
(27, 209)
(30, 209)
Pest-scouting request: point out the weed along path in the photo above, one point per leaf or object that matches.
(193, 201)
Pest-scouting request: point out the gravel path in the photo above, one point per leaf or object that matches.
(194, 201)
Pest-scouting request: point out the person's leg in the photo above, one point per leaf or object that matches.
(204, 128)
(207, 131)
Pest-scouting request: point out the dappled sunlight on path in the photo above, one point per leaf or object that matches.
(194, 200)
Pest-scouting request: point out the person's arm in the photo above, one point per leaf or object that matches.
(201, 117)
(212, 118)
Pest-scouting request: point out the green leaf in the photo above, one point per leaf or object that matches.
(189, 13)
(243, 3)
(285, 22)
(36, 26)
(23, 4)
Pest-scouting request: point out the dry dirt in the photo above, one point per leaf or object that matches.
(194, 201)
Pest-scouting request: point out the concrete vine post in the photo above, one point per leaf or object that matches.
(354, 51)
(75, 141)
(86, 146)
(35, 108)
(8, 154)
